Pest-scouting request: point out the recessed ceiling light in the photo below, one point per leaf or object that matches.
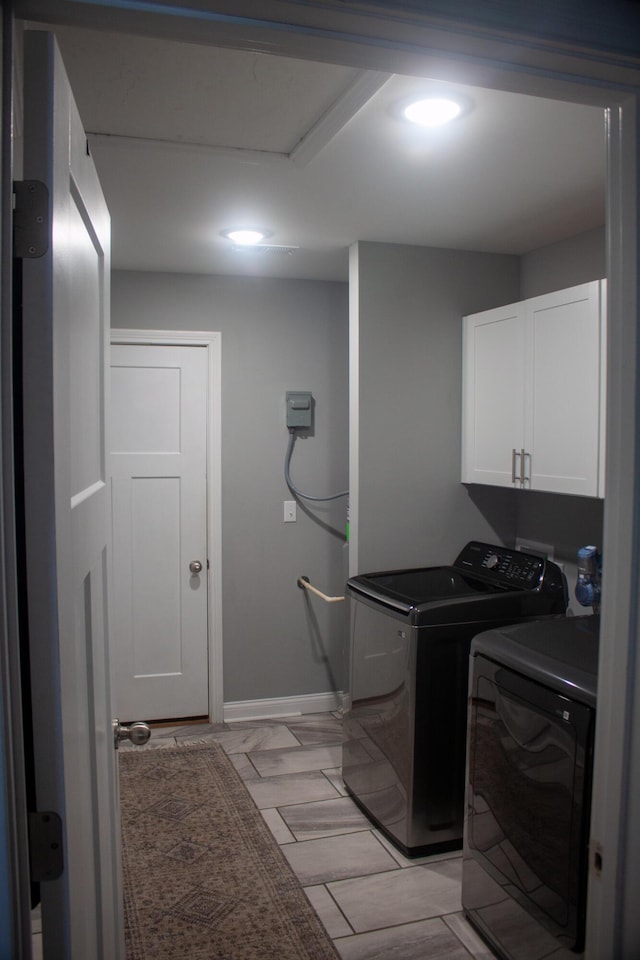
(245, 237)
(433, 111)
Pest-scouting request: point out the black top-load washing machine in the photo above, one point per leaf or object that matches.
(403, 758)
(532, 703)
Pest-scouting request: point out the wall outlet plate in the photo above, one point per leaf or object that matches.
(533, 546)
(289, 511)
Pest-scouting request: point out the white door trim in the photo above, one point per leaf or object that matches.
(213, 344)
(399, 41)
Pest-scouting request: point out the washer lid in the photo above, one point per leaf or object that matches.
(485, 583)
(423, 585)
(444, 595)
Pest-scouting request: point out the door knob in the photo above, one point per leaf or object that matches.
(138, 732)
(195, 566)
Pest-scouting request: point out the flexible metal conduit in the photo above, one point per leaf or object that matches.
(304, 584)
(291, 484)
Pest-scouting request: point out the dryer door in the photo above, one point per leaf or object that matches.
(527, 812)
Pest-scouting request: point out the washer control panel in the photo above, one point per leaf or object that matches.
(510, 567)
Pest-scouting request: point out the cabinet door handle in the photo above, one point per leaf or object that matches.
(525, 479)
(516, 453)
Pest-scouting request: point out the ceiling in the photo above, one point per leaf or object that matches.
(190, 140)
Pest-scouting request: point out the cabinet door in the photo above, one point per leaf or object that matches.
(564, 386)
(493, 395)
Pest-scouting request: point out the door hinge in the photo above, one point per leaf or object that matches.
(45, 846)
(31, 219)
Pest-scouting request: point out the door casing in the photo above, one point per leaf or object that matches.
(410, 43)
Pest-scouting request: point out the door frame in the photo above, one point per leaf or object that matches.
(212, 342)
(496, 48)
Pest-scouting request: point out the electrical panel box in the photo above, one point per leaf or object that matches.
(299, 404)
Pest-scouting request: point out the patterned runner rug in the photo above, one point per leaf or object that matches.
(203, 877)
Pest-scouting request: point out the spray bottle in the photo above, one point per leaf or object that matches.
(589, 577)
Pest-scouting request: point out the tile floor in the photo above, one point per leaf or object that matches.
(375, 903)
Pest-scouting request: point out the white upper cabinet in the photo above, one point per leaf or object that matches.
(493, 406)
(534, 391)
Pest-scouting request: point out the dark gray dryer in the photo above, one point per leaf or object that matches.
(403, 757)
(531, 725)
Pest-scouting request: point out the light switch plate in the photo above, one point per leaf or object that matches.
(289, 511)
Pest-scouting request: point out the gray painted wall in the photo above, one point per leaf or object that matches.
(280, 335)
(276, 336)
(564, 264)
(566, 523)
(412, 507)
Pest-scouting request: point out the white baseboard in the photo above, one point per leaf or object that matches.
(282, 706)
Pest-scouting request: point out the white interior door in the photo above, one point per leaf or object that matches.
(65, 320)
(159, 497)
